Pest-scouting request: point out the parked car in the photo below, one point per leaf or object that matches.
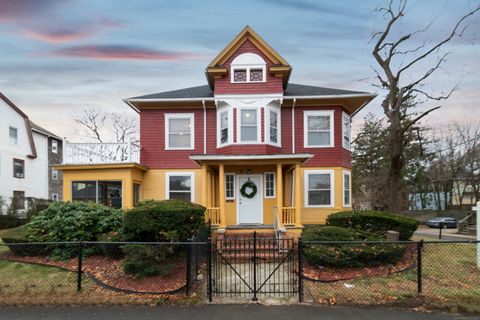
(442, 222)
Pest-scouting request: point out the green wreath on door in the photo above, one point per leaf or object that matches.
(248, 184)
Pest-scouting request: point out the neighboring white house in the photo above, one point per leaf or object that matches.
(27, 152)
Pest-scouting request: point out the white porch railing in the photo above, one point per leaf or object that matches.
(100, 153)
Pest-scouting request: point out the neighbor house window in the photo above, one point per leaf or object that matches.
(346, 130)
(272, 125)
(54, 174)
(55, 196)
(18, 200)
(179, 129)
(54, 146)
(229, 186)
(13, 135)
(319, 188)
(180, 186)
(346, 189)
(269, 184)
(18, 168)
(318, 129)
(249, 125)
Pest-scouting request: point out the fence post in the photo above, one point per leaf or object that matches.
(300, 270)
(255, 266)
(189, 267)
(79, 269)
(419, 266)
(209, 270)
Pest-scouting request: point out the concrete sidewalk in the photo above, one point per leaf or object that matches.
(218, 312)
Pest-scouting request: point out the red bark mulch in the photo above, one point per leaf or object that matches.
(337, 274)
(109, 271)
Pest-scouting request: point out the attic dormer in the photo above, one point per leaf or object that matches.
(248, 65)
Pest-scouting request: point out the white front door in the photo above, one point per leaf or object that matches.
(249, 210)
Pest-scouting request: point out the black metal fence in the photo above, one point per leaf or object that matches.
(365, 272)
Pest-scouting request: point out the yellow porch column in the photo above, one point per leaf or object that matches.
(279, 190)
(204, 186)
(298, 194)
(221, 193)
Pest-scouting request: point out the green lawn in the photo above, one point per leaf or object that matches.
(450, 280)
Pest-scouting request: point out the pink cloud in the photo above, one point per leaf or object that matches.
(121, 52)
(57, 36)
(23, 9)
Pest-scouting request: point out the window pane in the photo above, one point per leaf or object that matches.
(84, 191)
(318, 123)
(256, 75)
(224, 135)
(229, 186)
(273, 119)
(18, 168)
(110, 193)
(179, 125)
(273, 134)
(240, 75)
(13, 133)
(179, 140)
(319, 138)
(19, 199)
(185, 196)
(249, 117)
(346, 181)
(318, 181)
(319, 197)
(224, 119)
(180, 183)
(249, 134)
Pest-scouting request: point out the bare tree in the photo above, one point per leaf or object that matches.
(395, 57)
(92, 122)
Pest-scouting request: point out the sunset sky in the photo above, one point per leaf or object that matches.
(59, 57)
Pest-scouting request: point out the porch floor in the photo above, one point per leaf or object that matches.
(250, 226)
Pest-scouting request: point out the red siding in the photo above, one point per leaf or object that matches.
(272, 84)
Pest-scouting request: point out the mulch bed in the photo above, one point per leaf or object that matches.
(314, 273)
(108, 272)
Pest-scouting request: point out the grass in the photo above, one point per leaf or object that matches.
(451, 281)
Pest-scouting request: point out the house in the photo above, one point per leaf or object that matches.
(28, 153)
(256, 150)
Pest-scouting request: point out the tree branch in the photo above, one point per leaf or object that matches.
(411, 123)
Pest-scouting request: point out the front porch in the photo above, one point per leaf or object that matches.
(273, 205)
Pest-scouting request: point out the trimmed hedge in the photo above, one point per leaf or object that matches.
(168, 220)
(375, 222)
(348, 255)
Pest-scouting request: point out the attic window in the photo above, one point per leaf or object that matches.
(248, 67)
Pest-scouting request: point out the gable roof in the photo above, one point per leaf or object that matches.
(27, 125)
(216, 67)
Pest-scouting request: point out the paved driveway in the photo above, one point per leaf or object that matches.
(447, 234)
(217, 312)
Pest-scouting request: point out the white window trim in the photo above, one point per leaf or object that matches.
(230, 126)
(189, 116)
(307, 114)
(265, 185)
(239, 127)
(269, 109)
(57, 196)
(332, 188)
(12, 127)
(180, 174)
(234, 184)
(346, 115)
(54, 143)
(54, 174)
(349, 174)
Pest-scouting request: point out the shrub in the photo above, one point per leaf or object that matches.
(348, 255)
(72, 221)
(35, 206)
(169, 220)
(109, 248)
(375, 222)
(9, 222)
(17, 241)
(147, 260)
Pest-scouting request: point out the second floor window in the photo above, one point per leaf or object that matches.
(346, 130)
(273, 125)
(18, 168)
(179, 131)
(13, 135)
(224, 127)
(318, 129)
(248, 125)
(54, 174)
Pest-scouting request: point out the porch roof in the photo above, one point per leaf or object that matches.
(265, 158)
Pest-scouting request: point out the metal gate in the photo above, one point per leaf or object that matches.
(254, 267)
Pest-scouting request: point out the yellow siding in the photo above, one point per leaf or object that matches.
(318, 215)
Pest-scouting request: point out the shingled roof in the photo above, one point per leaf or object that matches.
(293, 90)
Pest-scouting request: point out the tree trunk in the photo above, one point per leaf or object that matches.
(395, 184)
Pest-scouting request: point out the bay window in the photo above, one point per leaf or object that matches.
(346, 189)
(179, 131)
(318, 129)
(346, 130)
(272, 125)
(319, 186)
(249, 126)
(224, 126)
(180, 186)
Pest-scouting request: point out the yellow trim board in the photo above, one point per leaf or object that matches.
(71, 167)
